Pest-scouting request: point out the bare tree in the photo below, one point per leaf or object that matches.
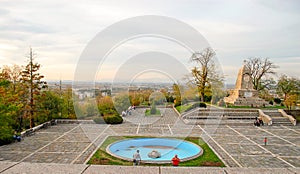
(204, 74)
(258, 69)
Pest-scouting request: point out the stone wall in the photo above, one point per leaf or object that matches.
(294, 113)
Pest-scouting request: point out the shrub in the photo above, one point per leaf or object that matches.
(277, 100)
(6, 135)
(271, 102)
(153, 110)
(202, 105)
(207, 98)
(113, 119)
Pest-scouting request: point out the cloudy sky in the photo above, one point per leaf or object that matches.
(59, 30)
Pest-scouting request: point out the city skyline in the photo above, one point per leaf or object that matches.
(58, 32)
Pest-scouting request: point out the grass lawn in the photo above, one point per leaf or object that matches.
(208, 158)
(147, 113)
(182, 108)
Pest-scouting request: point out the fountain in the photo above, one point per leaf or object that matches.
(155, 150)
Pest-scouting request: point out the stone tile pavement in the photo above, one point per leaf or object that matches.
(63, 145)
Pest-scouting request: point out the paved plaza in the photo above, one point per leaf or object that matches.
(68, 147)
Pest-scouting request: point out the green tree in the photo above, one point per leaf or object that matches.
(9, 110)
(287, 85)
(48, 106)
(67, 106)
(121, 102)
(289, 88)
(32, 82)
(204, 74)
(91, 110)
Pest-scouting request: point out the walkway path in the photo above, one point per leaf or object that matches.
(238, 146)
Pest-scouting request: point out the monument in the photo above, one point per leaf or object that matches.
(244, 94)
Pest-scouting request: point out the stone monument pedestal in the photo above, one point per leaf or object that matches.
(244, 94)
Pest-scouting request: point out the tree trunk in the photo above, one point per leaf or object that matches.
(31, 90)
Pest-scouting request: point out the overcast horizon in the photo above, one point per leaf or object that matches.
(58, 32)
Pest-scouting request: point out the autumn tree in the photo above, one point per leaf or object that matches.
(204, 74)
(289, 88)
(67, 108)
(13, 74)
(9, 109)
(290, 101)
(135, 97)
(259, 68)
(33, 84)
(10, 75)
(177, 93)
(105, 105)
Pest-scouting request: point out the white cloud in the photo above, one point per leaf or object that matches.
(59, 30)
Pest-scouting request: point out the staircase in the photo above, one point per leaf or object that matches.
(277, 118)
(213, 116)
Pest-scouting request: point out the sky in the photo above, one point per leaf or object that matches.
(59, 31)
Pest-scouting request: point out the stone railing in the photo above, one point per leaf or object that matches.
(74, 121)
(265, 118)
(291, 118)
(31, 131)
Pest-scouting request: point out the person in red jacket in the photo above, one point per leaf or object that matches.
(175, 160)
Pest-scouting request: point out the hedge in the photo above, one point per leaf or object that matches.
(109, 119)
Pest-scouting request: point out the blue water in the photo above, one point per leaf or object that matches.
(168, 147)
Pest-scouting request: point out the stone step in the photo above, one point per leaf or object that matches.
(219, 122)
(280, 121)
(283, 124)
(220, 118)
(273, 114)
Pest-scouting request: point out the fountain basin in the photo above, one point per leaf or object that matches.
(167, 147)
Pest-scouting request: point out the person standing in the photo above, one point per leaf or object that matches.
(175, 161)
(137, 158)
